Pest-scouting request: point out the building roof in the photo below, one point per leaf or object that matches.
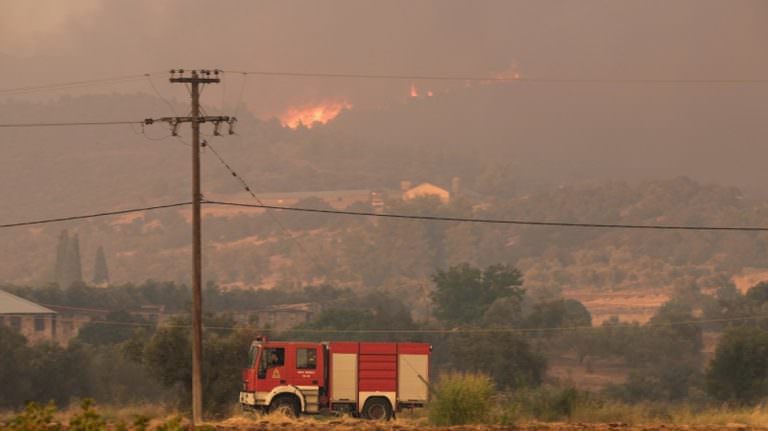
(427, 189)
(426, 186)
(12, 304)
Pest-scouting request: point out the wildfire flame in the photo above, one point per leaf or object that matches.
(507, 75)
(310, 114)
(414, 91)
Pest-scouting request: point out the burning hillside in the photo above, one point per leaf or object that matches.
(310, 114)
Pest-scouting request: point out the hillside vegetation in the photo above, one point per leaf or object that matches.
(249, 249)
(49, 172)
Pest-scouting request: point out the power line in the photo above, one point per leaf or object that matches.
(415, 77)
(274, 218)
(147, 121)
(242, 92)
(160, 96)
(515, 78)
(443, 331)
(261, 205)
(68, 124)
(72, 84)
(69, 307)
(93, 215)
(496, 221)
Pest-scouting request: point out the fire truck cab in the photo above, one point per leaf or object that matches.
(373, 379)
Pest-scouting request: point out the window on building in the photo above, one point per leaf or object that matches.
(53, 326)
(306, 359)
(39, 324)
(16, 323)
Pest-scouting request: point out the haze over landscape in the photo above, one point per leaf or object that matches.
(597, 112)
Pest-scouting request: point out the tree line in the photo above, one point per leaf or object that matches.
(484, 321)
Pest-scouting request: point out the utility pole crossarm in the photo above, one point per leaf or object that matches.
(217, 121)
(202, 76)
(210, 119)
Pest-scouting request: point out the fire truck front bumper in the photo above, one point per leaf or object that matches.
(252, 398)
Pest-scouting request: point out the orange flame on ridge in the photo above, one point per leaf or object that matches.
(310, 114)
(414, 91)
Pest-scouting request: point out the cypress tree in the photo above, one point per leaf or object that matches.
(100, 270)
(74, 267)
(61, 259)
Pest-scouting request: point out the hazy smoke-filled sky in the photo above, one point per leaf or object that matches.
(43, 41)
(505, 138)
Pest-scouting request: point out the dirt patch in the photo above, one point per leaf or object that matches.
(593, 374)
(748, 278)
(630, 305)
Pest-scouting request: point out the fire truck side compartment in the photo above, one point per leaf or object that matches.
(396, 371)
(343, 367)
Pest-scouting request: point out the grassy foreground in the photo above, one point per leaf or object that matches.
(609, 417)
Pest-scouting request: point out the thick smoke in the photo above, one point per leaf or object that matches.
(593, 38)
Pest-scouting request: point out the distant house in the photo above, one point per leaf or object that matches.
(426, 189)
(31, 320)
(409, 192)
(72, 319)
(150, 313)
(284, 316)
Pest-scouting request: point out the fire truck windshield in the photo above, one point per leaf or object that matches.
(253, 353)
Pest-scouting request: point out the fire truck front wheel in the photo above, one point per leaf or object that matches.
(377, 409)
(286, 404)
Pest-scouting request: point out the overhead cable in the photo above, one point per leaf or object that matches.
(495, 221)
(72, 84)
(274, 218)
(93, 215)
(443, 331)
(405, 217)
(502, 78)
(68, 124)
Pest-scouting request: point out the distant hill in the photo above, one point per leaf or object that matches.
(558, 134)
(532, 152)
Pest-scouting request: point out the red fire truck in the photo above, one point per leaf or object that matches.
(369, 379)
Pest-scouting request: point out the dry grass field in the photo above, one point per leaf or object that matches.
(609, 418)
(631, 305)
(349, 424)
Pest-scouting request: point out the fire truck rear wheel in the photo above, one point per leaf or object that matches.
(377, 409)
(286, 405)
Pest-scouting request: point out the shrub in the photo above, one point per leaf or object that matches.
(508, 358)
(35, 416)
(173, 424)
(739, 371)
(88, 419)
(546, 403)
(462, 398)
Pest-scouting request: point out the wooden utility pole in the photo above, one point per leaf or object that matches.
(196, 78)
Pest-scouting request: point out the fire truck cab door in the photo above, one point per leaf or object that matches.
(273, 373)
(307, 360)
